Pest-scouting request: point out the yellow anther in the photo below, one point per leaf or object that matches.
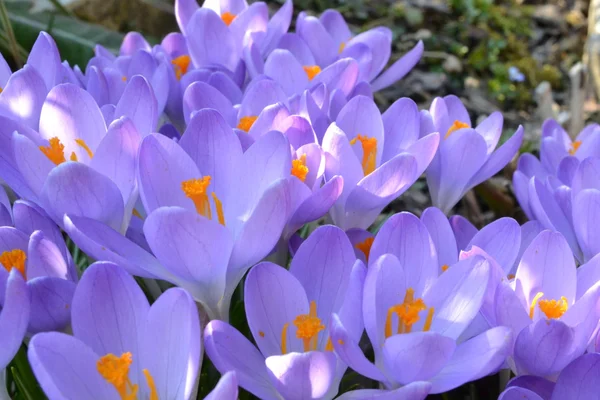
(228, 17)
(181, 65)
(445, 267)
(299, 168)
(14, 259)
(365, 246)
(55, 151)
(83, 144)
(284, 338)
(124, 78)
(311, 71)
(574, 147)
(195, 189)
(456, 126)
(342, 47)
(329, 345)
(407, 313)
(218, 208)
(369, 148)
(429, 319)
(151, 385)
(246, 123)
(533, 303)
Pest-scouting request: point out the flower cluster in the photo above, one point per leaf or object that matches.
(192, 169)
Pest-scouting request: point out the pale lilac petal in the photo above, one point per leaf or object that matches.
(412, 391)
(184, 10)
(226, 389)
(14, 316)
(401, 125)
(399, 69)
(441, 233)
(139, 103)
(501, 240)
(22, 97)
(51, 300)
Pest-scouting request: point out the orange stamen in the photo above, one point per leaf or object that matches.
(365, 246)
(246, 123)
(311, 71)
(284, 338)
(342, 47)
(308, 327)
(83, 144)
(228, 17)
(407, 313)
(533, 303)
(55, 151)
(369, 148)
(329, 345)
(428, 320)
(445, 267)
(181, 65)
(456, 126)
(14, 259)
(554, 309)
(299, 168)
(219, 208)
(195, 189)
(151, 385)
(574, 147)
(124, 78)
(115, 370)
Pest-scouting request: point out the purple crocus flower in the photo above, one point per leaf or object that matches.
(556, 144)
(466, 156)
(568, 202)
(288, 313)
(409, 309)
(107, 76)
(217, 33)
(74, 163)
(379, 157)
(121, 346)
(329, 38)
(552, 312)
(35, 248)
(211, 214)
(578, 380)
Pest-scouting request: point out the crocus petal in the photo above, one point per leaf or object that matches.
(500, 240)
(298, 47)
(350, 352)
(588, 275)
(23, 96)
(586, 174)
(229, 350)
(463, 230)
(45, 259)
(163, 166)
(66, 368)
(457, 301)
(380, 43)
(51, 300)
(441, 234)
(226, 389)
(547, 266)
(491, 129)
(510, 311)
(586, 217)
(259, 94)
(139, 103)
(33, 165)
(109, 312)
(273, 298)
(104, 243)
(405, 231)
(133, 42)
(517, 393)
(77, 189)
(5, 72)
(225, 85)
(323, 264)
(14, 316)
(184, 9)
(302, 376)
(544, 348)
(401, 125)
(412, 391)
(191, 247)
(343, 160)
(462, 155)
(579, 380)
(416, 356)
(97, 86)
(277, 27)
(341, 75)
(398, 69)
(70, 113)
(536, 384)
(318, 39)
(283, 67)
(209, 130)
(474, 359)
(201, 95)
(335, 24)
(45, 59)
(253, 18)
(499, 158)
(169, 348)
(213, 42)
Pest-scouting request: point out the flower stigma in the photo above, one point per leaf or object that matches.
(196, 190)
(14, 259)
(408, 314)
(246, 123)
(456, 125)
(299, 168)
(369, 148)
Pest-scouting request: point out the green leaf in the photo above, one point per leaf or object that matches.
(23, 377)
(75, 39)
